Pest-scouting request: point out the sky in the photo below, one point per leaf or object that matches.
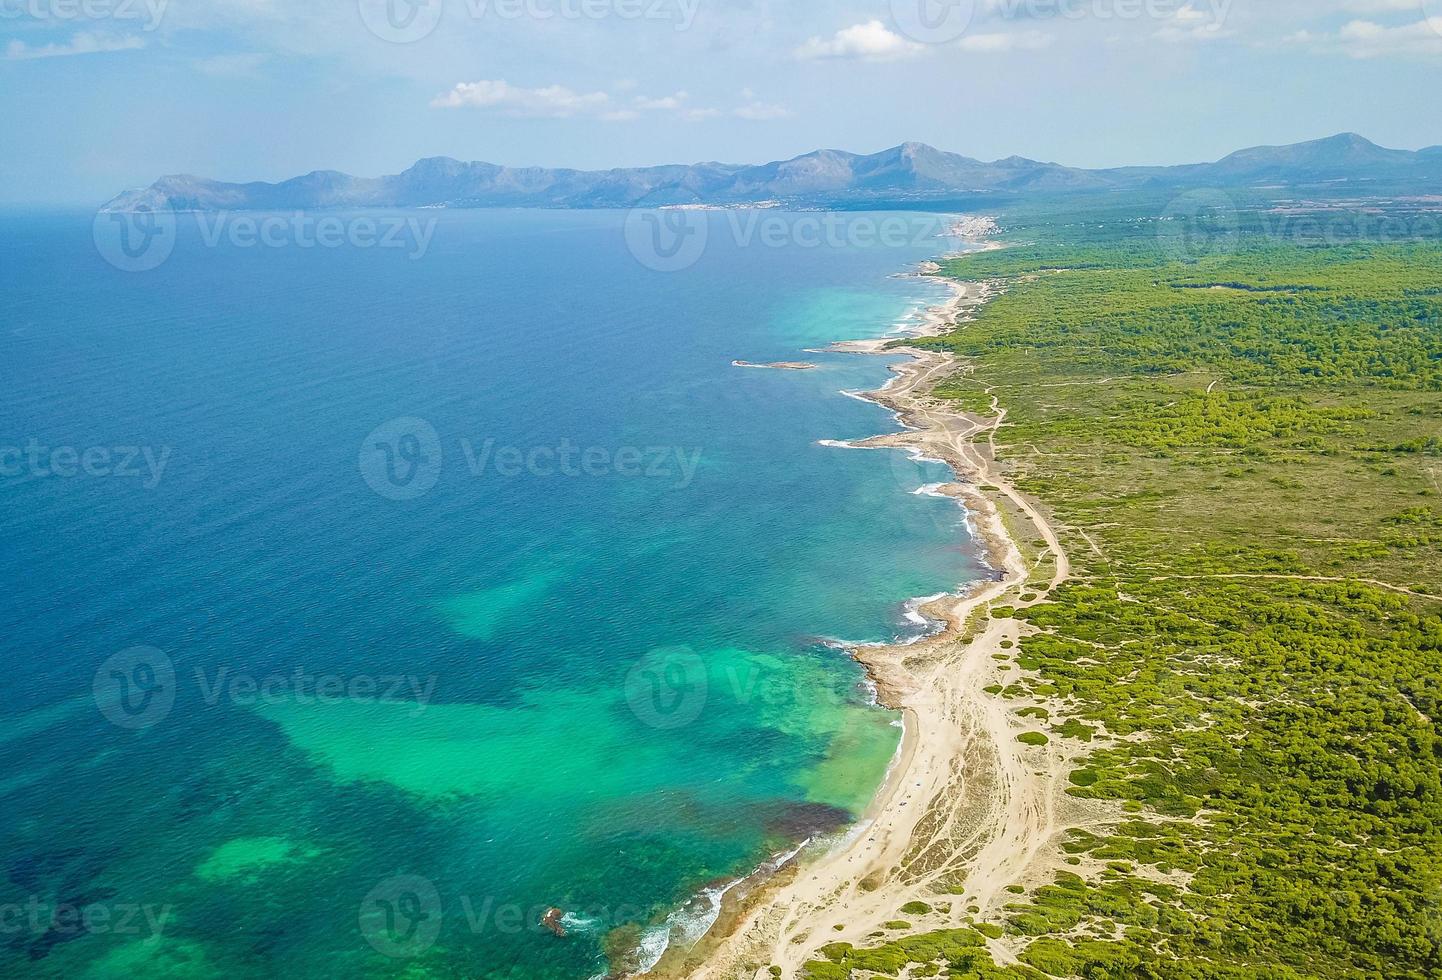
(97, 96)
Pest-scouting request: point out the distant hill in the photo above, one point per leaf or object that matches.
(912, 171)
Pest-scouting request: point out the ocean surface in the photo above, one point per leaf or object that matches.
(362, 602)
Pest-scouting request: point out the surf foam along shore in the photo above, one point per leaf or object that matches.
(669, 948)
(676, 928)
(672, 958)
(968, 809)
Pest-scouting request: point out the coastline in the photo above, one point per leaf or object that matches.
(965, 809)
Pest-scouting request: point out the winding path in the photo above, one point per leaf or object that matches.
(968, 809)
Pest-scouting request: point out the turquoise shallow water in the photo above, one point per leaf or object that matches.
(448, 589)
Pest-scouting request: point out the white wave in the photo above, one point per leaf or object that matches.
(689, 924)
(912, 608)
(575, 923)
(654, 943)
(853, 834)
(693, 920)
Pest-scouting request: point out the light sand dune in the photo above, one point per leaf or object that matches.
(968, 810)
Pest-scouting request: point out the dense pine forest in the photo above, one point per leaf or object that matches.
(1234, 418)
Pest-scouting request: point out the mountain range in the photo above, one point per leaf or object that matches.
(909, 172)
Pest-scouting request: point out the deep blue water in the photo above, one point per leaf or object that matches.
(466, 577)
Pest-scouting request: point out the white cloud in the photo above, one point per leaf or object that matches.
(1191, 23)
(1366, 39)
(1014, 41)
(79, 44)
(871, 41)
(761, 112)
(230, 65)
(666, 102)
(559, 102)
(551, 102)
(1378, 6)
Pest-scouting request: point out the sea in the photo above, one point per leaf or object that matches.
(428, 593)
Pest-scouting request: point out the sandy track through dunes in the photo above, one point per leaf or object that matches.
(968, 809)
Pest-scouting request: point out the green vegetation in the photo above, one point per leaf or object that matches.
(963, 950)
(968, 395)
(1252, 637)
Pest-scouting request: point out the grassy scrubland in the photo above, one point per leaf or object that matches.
(1242, 451)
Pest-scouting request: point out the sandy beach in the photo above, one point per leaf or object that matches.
(967, 810)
